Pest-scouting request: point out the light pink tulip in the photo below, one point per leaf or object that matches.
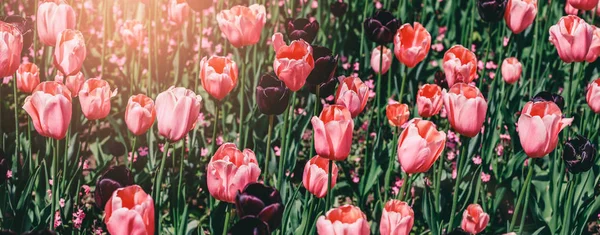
(28, 77)
(11, 44)
(333, 132)
(585, 5)
(178, 12)
(474, 219)
(53, 17)
(460, 65)
(292, 63)
(177, 111)
(376, 57)
(419, 146)
(412, 44)
(397, 218)
(593, 95)
(429, 100)
(520, 14)
(50, 109)
(74, 82)
(572, 37)
(511, 70)
(94, 98)
(542, 120)
(316, 173)
(594, 51)
(70, 52)
(133, 33)
(229, 171)
(343, 220)
(219, 75)
(353, 94)
(139, 114)
(570, 10)
(129, 211)
(466, 108)
(242, 25)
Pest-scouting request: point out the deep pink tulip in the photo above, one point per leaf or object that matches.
(178, 12)
(397, 218)
(133, 33)
(419, 146)
(353, 94)
(585, 5)
(219, 75)
(460, 65)
(412, 44)
(593, 95)
(129, 211)
(343, 220)
(474, 220)
(53, 17)
(242, 25)
(429, 100)
(316, 173)
(542, 119)
(511, 70)
(177, 110)
(520, 14)
(229, 171)
(74, 82)
(386, 59)
(333, 132)
(50, 109)
(94, 98)
(70, 52)
(572, 37)
(594, 51)
(292, 63)
(466, 108)
(11, 44)
(28, 77)
(140, 114)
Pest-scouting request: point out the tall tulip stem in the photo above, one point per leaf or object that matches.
(226, 221)
(158, 183)
(404, 75)
(405, 184)
(569, 204)
(391, 164)
(17, 143)
(523, 193)
(215, 127)
(378, 99)
(329, 196)
(54, 183)
(130, 161)
(242, 78)
(268, 151)
(460, 162)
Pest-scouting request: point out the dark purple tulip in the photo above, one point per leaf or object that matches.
(114, 178)
(325, 89)
(249, 225)
(547, 96)
(381, 28)
(338, 8)
(272, 96)
(491, 10)
(440, 79)
(579, 154)
(25, 26)
(325, 66)
(4, 166)
(260, 201)
(199, 5)
(302, 28)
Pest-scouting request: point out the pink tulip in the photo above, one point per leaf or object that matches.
(316, 173)
(139, 114)
(376, 57)
(11, 44)
(429, 100)
(397, 218)
(411, 45)
(343, 220)
(70, 52)
(28, 77)
(572, 38)
(74, 83)
(50, 109)
(419, 146)
(218, 75)
(133, 33)
(353, 94)
(460, 65)
(53, 17)
(397, 113)
(542, 120)
(94, 98)
(129, 211)
(178, 12)
(570, 10)
(242, 25)
(466, 108)
(230, 170)
(520, 14)
(292, 63)
(593, 95)
(333, 132)
(474, 219)
(594, 51)
(511, 70)
(178, 109)
(585, 5)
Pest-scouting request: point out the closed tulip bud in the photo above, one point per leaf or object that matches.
(70, 52)
(572, 37)
(429, 100)
(439, 78)
(353, 94)
(593, 95)
(53, 17)
(466, 108)
(315, 177)
(419, 146)
(412, 44)
(129, 211)
(50, 108)
(385, 60)
(333, 132)
(219, 75)
(397, 113)
(381, 27)
(302, 28)
(325, 89)
(547, 96)
(178, 12)
(28, 77)
(199, 5)
(249, 225)
(397, 218)
(5, 166)
(491, 10)
(325, 66)
(460, 65)
(177, 110)
(520, 14)
(272, 96)
(262, 202)
(292, 63)
(474, 219)
(579, 154)
(242, 25)
(585, 5)
(94, 98)
(114, 178)
(133, 33)
(511, 70)
(74, 82)
(343, 220)
(25, 26)
(542, 119)
(594, 51)
(230, 170)
(338, 8)
(139, 114)
(11, 44)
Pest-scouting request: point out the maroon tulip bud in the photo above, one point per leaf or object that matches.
(114, 178)
(325, 66)
(249, 225)
(260, 201)
(381, 28)
(302, 28)
(547, 96)
(338, 8)
(272, 96)
(579, 154)
(440, 79)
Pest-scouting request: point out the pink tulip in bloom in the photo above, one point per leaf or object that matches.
(460, 65)
(316, 173)
(139, 114)
(429, 100)
(593, 95)
(74, 82)
(129, 211)
(511, 70)
(411, 45)
(333, 132)
(397, 113)
(353, 94)
(53, 17)
(230, 170)
(177, 111)
(242, 25)
(466, 108)
(28, 77)
(542, 119)
(343, 220)
(11, 44)
(397, 218)
(419, 146)
(70, 52)
(520, 14)
(474, 219)
(594, 51)
(572, 37)
(50, 109)
(94, 98)
(218, 75)
(178, 12)
(570, 10)
(133, 33)
(386, 59)
(585, 5)
(292, 63)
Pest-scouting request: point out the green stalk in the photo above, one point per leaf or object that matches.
(404, 75)
(104, 30)
(459, 167)
(487, 54)
(477, 187)
(180, 189)
(213, 143)
(405, 184)
(378, 98)
(158, 184)
(268, 152)
(54, 182)
(526, 204)
(242, 78)
(287, 117)
(566, 219)
(522, 194)
(316, 114)
(226, 221)
(328, 203)
(130, 163)
(391, 164)
(17, 142)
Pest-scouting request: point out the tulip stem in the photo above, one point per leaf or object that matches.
(378, 99)
(522, 193)
(487, 53)
(316, 114)
(54, 182)
(17, 137)
(158, 183)
(216, 125)
(460, 162)
(329, 196)
(405, 183)
(391, 164)
(242, 78)
(566, 221)
(404, 75)
(130, 162)
(226, 221)
(268, 151)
